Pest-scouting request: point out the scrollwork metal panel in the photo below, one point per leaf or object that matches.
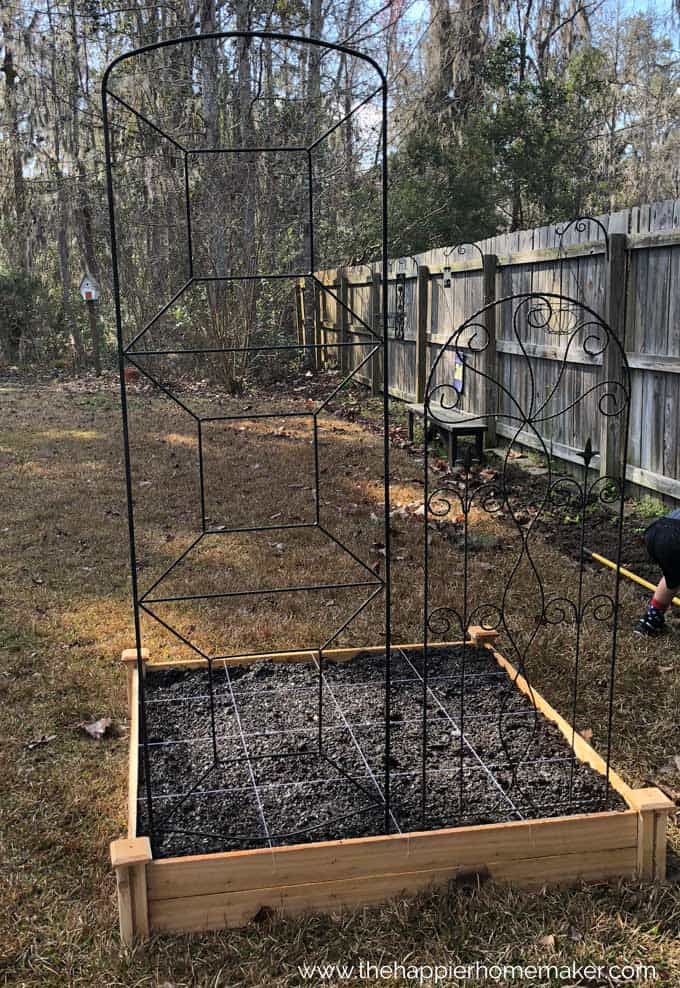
(547, 617)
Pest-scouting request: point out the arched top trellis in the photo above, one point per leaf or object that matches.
(245, 191)
(531, 407)
(247, 36)
(145, 52)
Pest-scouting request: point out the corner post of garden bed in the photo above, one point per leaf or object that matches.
(481, 636)
(653, 808)
(129, 659)
(129, 857)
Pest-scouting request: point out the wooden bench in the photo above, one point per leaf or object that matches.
(453, 424)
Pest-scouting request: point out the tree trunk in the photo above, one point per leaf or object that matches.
(439, 62)
(19, 247)
(314, 67)
(63, 253)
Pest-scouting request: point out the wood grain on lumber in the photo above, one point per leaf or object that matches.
(462, 847)
(231, 909)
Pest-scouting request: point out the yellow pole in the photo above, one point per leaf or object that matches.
(627, 573)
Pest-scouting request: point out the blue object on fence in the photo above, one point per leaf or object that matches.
(458, 372)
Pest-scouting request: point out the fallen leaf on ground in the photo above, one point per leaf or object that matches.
(586, 733)
(547, 941)
(40, 742)
(98, 729)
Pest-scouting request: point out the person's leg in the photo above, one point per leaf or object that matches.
(663, 595)
(653, 621)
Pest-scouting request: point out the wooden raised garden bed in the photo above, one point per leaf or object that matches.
(230, 888)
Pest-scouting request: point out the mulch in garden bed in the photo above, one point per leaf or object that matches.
(270, 786)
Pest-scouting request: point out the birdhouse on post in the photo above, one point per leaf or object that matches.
(89, 289)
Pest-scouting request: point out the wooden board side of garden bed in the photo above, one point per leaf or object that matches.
(463, 847)
(583, 751)
(227, 909)
(299, 655)
(652, 806)
(133, 767)
(228, 889)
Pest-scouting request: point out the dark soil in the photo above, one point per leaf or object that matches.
(601, 533)
(510, 763)
(559, 522)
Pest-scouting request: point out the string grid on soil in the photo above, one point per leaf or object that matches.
(491, 757)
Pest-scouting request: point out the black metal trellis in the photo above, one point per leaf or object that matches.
(443, 696)
(450, 611)
(134, 353)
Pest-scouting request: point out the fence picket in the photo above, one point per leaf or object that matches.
(637, 289)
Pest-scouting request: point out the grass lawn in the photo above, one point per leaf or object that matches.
(65, 617)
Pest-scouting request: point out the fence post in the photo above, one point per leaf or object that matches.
(342, 319)
(422, 312)
(490, 357)
(376, 326)
(300, 311)
(310, 330)
(612, 454)
(318, 334)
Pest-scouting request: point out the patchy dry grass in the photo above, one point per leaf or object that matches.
(65, 617)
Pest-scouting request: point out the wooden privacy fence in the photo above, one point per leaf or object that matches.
(634, 285)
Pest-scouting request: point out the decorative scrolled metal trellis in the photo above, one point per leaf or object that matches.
(533, 410)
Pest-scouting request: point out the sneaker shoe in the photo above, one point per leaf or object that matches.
(651, 624)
